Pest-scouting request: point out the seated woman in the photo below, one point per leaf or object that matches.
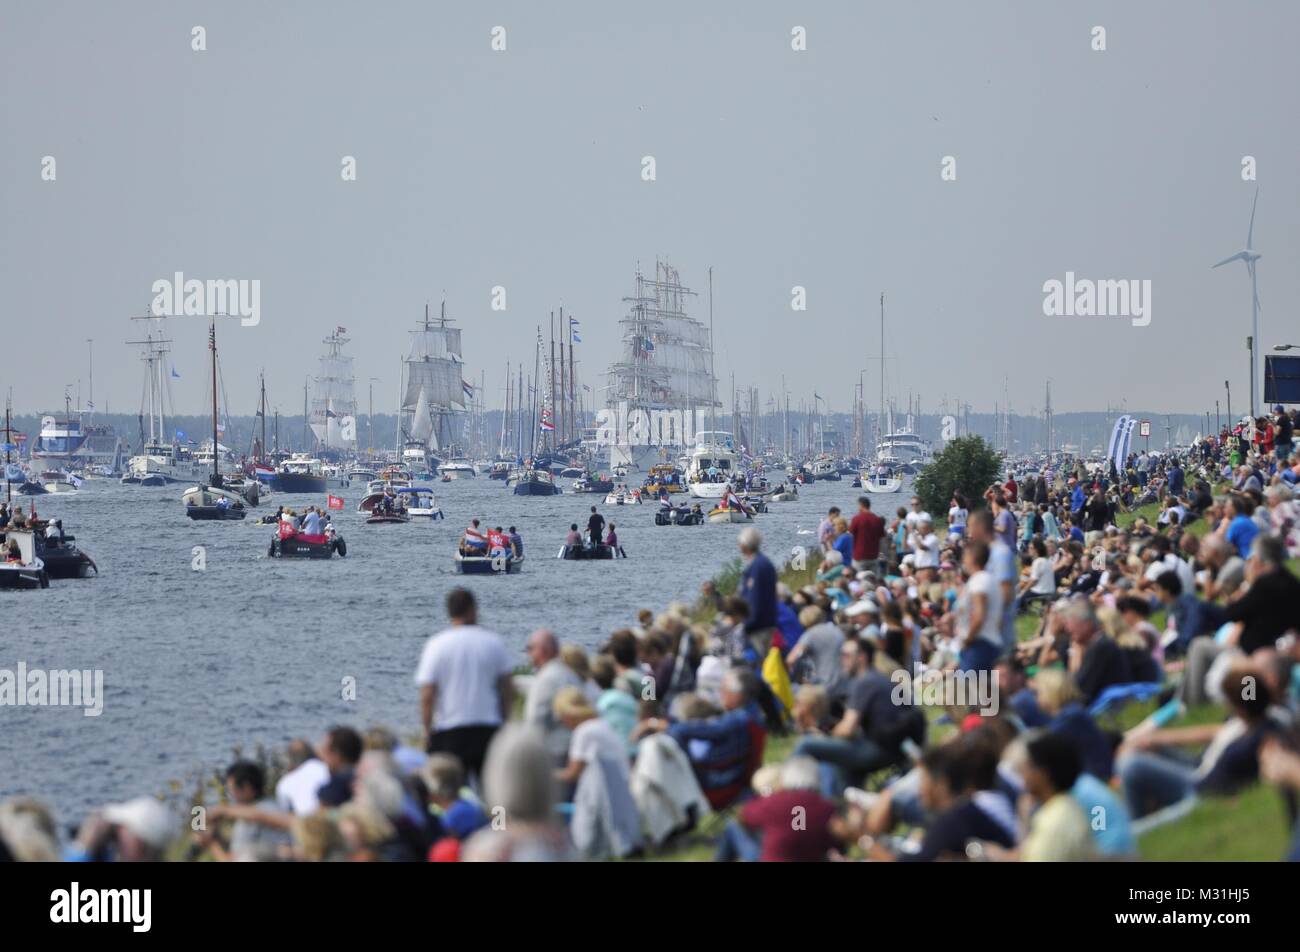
(605, 820)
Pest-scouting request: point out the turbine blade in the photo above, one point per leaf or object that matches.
(1239, 256)
(1250, 234)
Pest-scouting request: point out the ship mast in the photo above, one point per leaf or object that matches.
(212, 343)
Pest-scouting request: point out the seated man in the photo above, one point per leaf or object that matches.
(475, 541)
(870, 734)
(724, 751)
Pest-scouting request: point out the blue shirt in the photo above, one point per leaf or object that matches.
(758, 588)
(1241, 533)
(1107, 817)
(719, 746)
(844, 546)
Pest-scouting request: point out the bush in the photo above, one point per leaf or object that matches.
(967, 465)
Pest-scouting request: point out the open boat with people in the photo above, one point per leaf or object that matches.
(679, 516)
(21, 567)
(665, 478)
(622, 496)
(488, 564)
(59, 552)
(384, 517)
(581, 552)
(419, 502)
(534, 482)
(592, 484)
(881, 480)
(289, 543)
(213, 504)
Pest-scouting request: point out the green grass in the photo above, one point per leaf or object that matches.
(1249, 826)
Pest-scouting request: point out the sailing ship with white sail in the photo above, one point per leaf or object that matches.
(665, 374)
(433, 394)
(334, 404)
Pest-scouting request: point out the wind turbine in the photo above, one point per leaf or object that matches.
(1250, 256)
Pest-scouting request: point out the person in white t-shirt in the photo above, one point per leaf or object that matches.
(979, 611)
(464, 676)
(924, 544)
(915, 514)
(1040, 583)
(957, 516)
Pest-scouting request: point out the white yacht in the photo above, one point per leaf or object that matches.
(161, 464)
(714, 463)
(457, 467)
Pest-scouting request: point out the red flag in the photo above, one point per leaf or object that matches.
(336, 502)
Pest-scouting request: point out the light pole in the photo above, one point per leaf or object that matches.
(1229, 390)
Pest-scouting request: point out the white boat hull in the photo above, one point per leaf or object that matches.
(891, 484)
(723, 516)
(708, 490)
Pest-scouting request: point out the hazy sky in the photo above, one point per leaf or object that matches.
(777, 168)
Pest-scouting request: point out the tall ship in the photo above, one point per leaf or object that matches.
(333, 416)
(433, 395)
(664, 379)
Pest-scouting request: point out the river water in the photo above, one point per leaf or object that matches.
(254, 650)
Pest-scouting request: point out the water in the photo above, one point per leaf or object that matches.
(255, 650)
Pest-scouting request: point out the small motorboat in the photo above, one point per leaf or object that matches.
(579, 552)
(487, 565)
(419, 502)
(592, 484)
(679, 516)
(725, 514)
(288, 544)
(754, 503)
(572, 472)
(213, 504)
(534, 482)
(787, 495)
(20, 566)
(60, 554)
(501, 469)
(624, 497)
(383, 517)
(57, 481)
(32, 488)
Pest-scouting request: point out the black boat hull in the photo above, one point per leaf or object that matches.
(678, 518)
(536, 488)
(296, 548)
(298, 483)
(215, 513)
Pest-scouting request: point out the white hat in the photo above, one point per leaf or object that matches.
(146, 818)
(862, 607)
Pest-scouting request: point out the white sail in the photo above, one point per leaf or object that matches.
(334, 394)
(667, 355)
(422, 422)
